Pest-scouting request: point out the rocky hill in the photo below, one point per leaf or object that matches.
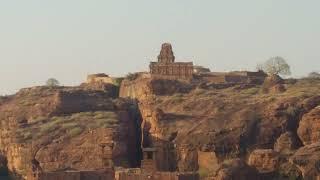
(224, 131)
(65, 128)
(272, 128)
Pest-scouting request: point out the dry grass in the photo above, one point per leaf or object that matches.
(66, 126)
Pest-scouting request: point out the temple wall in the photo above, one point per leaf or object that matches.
(158, 176)
(172, 70)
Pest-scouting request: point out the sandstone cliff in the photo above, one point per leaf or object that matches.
(67, 129)
(228, 120)
(223, 131)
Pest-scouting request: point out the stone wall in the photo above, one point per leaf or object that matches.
(75, 175)
(234, 77)
(95, 78)
(180, 70)
(158, 176)
(166, 67)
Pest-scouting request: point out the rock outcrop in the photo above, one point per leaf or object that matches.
(309, 127)
(307, 159)
(287, 143)
(68, 129)
(265, 160)
(235, 169)
(227, 121)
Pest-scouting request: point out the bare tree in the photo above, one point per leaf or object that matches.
(275, 66)
(52, 82)
(314, 75)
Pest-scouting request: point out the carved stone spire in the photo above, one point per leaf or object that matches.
(166, 54)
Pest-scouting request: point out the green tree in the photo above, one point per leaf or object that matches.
(52, 82)
(275, 66)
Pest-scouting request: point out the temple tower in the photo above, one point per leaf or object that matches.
(167, 68)
(166, 54)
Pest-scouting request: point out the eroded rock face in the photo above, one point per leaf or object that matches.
(286, 143)
(145, 87)
(68, 129)
(265, 160)
(309, 127)
(236, 169)
(3, 166)
(188, 160)
(307, 159)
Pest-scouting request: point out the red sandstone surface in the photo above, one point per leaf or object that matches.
(222, 131)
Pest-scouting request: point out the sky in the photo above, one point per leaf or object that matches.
(69, 39)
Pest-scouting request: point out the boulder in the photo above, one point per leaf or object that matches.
(309, 127)
(264, 160)
(235, 169)
(286, 143)
(307, 159)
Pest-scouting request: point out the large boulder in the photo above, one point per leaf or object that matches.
(307, 159)
(264, 160)
(286, 143)
(235, 169)
(309, 127)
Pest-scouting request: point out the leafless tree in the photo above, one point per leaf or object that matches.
(275, 66)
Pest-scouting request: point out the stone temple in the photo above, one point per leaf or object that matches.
(166, 67)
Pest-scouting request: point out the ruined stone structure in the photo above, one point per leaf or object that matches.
(238, 77)
(76, 175)
(148, 164)
(166, 67)
(99, 78)
(157, 176)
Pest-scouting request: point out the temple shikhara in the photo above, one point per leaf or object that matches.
(166, 67)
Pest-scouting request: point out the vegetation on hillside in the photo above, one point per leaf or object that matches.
(275, 66)
(52, 82)
(63, 127)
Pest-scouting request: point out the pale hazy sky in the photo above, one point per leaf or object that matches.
(68, 39)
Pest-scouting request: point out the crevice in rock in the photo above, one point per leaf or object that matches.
(135, 154)
(3, 166)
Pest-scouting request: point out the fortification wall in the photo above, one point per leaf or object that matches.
(75, 175)
(158, 176)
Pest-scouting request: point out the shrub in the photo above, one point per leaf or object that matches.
(292, 111)
(314, 75)
(251, 91)
(48, 127)
(75, 131)
(52, 82)
(117, 81)
(132, 76)
(69, 125)
(203, 172)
